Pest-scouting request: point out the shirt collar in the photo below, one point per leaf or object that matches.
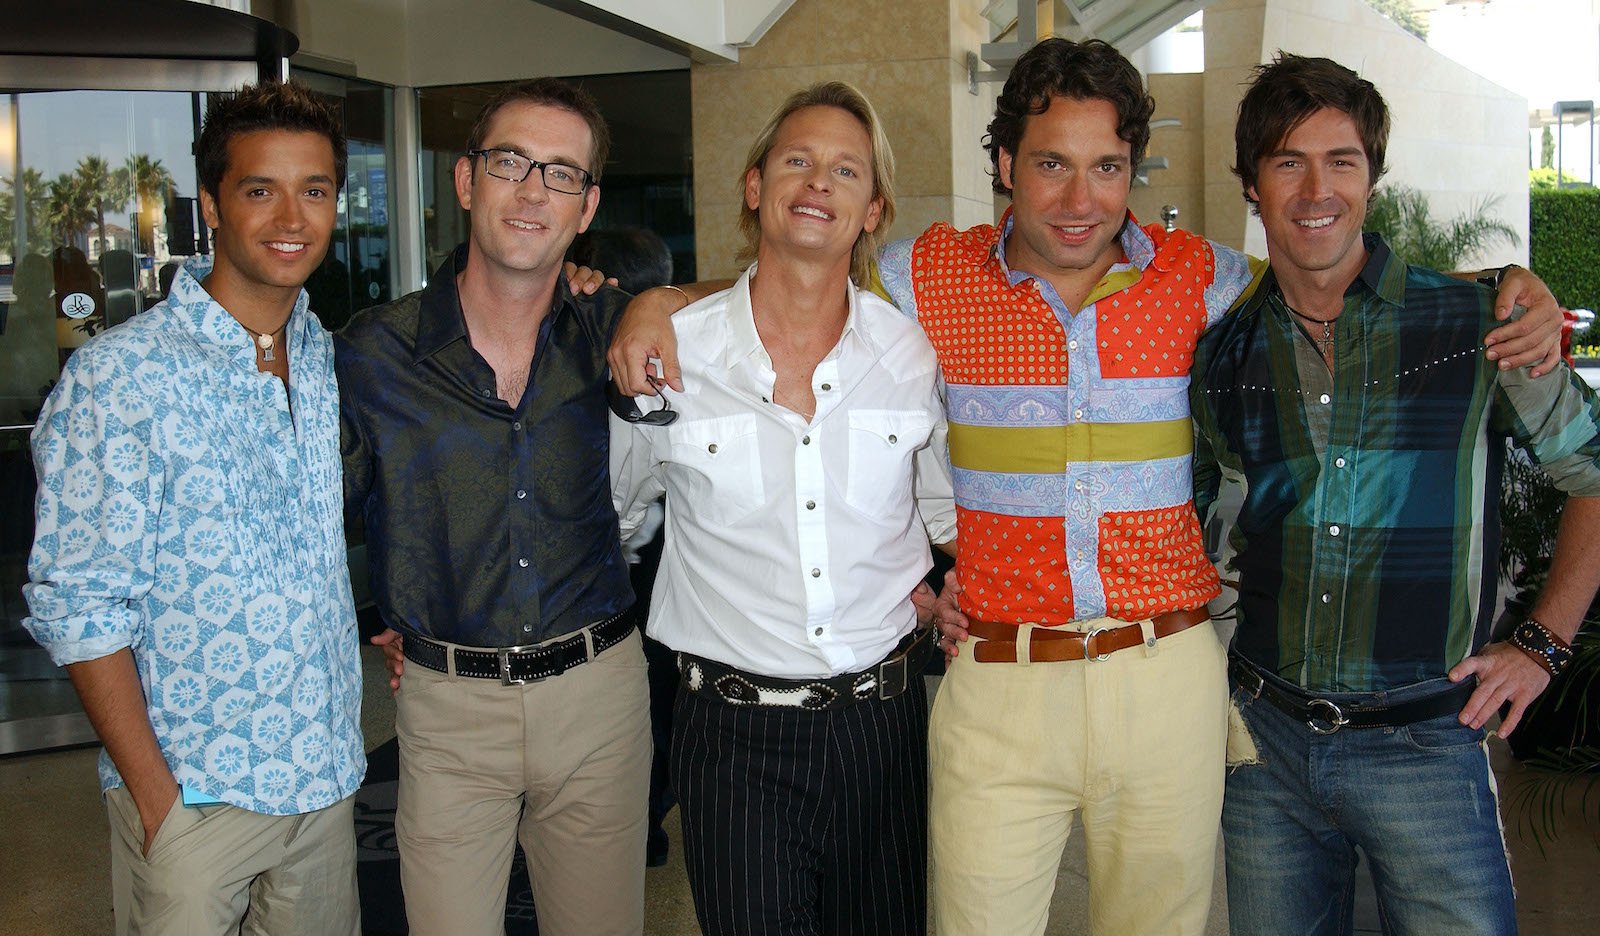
(743, 339)
(1383, 273)
(1136, 246)
(440, 321)
(213, 325)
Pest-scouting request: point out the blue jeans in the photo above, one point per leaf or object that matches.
(1418, 800)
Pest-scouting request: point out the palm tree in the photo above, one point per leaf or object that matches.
(1402, 215)
(35, 202)
(72, 208)
(105, 188)
(151, 184)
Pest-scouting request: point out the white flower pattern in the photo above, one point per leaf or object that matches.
(146, 539)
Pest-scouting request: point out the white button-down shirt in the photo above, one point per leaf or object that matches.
(791, 546)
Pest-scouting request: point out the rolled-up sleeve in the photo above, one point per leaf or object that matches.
(96, 514)
(635, 479)
(1556, 420)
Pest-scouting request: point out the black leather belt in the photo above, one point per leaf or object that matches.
(1325, 716)
(884, 681)
(516, 666)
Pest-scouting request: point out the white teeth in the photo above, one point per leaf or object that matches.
(813, 212)
(1074, 229)
(1316, 223)
(286, 248)
(522, 225)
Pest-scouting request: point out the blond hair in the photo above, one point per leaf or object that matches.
(845, 97)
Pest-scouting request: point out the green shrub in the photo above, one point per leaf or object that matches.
(1564, 243)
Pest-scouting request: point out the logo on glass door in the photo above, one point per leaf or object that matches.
(77, 305)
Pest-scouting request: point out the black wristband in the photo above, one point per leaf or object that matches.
(1493, 278)
(1539, 642)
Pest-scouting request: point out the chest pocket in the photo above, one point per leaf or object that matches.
(882, 443)
(716, 466)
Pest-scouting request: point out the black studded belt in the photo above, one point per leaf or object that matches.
(517, 666)
(883, 681)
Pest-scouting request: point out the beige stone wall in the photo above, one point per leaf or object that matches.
(907, 56)
(1456, 136)
(1180, 97)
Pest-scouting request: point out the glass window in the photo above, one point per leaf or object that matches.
(97, 209)
(648, 179)
(358, 271)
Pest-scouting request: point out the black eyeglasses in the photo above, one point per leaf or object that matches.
(627, 408)
(514, 167)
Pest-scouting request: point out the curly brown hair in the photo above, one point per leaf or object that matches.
(1078, 70)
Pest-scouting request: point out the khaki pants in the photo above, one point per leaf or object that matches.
(562, 765)
(213, 868)
(1134, 741)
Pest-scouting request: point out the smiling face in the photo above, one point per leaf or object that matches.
(1312, 192)
(1069, 182)
(814, 192)
(272, 214)
(523, 227)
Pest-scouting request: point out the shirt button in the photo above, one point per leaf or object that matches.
(712, 448)
(1327, 598)
(1072, 346)
(893, 438)
(827, 386)
(1338, 462)
(806, 441)
(487, 393)
(523, 562)
(811, 505)
(816, 573)
(818, 632)
(1325, 398)
(1078, 485)
(1333, 530)
(516, 427)
(522, 495)
(527, 628)
(1077, 414)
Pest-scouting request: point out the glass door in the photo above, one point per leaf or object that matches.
(97, 211)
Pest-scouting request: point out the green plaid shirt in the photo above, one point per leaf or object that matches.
(1366, 547)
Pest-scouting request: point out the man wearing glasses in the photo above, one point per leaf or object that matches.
(475, 450)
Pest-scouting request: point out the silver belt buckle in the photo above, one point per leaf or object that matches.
(506, 679)
(1090, 636)
(1332, 722)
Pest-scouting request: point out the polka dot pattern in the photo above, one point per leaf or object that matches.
(1151, 561)
(989, 333)
(1013, 568)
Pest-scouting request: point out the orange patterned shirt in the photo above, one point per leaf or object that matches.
(1070, 437)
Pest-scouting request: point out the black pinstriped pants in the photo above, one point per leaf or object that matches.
(800, 823)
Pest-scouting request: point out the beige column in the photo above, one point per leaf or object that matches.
(907, 56)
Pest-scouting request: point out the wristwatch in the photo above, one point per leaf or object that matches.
(1492, 278)
(1539, 642)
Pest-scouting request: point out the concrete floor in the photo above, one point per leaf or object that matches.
(54, 877)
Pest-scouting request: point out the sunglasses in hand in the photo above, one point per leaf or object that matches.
(627, 408)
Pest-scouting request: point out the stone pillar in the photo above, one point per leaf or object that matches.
(907, 56)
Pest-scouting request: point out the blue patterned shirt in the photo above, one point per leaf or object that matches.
(187, 512)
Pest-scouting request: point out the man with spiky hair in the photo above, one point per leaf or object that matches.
(189, 561)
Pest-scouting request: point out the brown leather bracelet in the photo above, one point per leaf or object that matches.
(1541, 643)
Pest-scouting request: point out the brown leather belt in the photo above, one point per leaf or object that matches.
(1055, 644)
